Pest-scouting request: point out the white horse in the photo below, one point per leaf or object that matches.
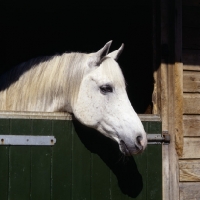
(91, 86)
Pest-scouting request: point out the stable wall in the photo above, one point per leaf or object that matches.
(189, 163)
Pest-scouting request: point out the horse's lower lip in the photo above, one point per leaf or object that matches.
(127, 151)
(124, 148)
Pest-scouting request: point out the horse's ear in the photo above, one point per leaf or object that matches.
(95, 58)
(115, 54)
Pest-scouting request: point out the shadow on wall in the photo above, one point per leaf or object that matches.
(125, 169)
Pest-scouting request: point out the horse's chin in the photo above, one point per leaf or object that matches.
(129, 151)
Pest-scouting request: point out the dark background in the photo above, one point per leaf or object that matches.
(34, 29)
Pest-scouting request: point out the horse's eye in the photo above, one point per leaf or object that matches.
(106, 89)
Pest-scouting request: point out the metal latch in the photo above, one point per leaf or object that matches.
(27, 140)
(158, 138)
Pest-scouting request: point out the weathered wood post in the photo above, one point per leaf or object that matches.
(168, 89)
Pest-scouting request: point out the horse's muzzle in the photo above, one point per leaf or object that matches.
(130, 149)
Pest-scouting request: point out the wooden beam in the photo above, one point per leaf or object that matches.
(178, 106)
(174, 128)
(191, 148)
(189, 170)
(189, 67)
(191, 103)
(189, 191)
(191, 81)
(191, 125)
(169, 76)
(164, 109)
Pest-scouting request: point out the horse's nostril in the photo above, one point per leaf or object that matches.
(139, 139)
(139, 142)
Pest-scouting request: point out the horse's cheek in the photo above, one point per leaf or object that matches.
(87, 109)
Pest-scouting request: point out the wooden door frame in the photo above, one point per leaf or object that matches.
(168, 87)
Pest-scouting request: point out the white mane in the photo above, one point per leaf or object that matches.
(46, 79)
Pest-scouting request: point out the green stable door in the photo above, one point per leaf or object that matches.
(81, 165)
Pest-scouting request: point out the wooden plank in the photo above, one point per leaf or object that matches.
(81, 165)
(189, 191)
(191, 103)
(103, 158)
(149, 117)
(62, 160)
(141, 184)
(189, 170)
(191, 125)
(174, 115)
(191, 59)
(154, 186)
(178, 106)
(189, 67)
(41, 162)
(191, 148)
(4, 160)
(191, 81)
(35, 115)
(19, 163)
(165, 114)
(40, 172)
(100, 179)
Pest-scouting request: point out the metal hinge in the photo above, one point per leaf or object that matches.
(163, 138)
(27, 140)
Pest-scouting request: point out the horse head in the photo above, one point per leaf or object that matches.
(103, 104)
